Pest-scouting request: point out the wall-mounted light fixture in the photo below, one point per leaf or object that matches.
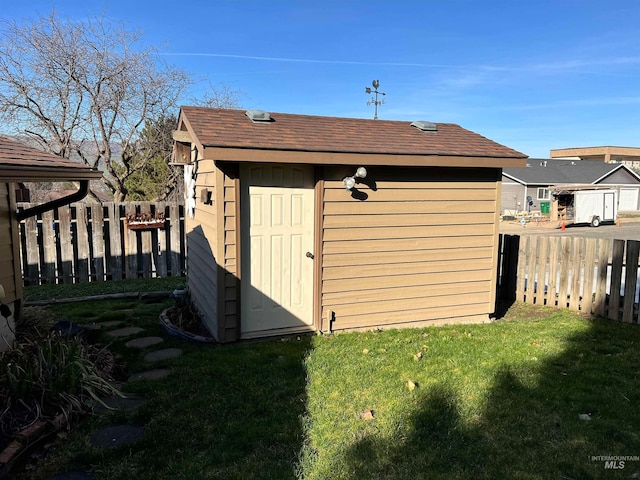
(350, 182)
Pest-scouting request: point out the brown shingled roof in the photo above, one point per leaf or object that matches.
(19, 162)
(232, 128)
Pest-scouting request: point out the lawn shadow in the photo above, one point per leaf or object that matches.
(233, 411)
(578, 404)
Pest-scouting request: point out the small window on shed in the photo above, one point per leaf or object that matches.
(543, 194)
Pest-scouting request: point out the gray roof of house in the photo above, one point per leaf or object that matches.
(540, 171)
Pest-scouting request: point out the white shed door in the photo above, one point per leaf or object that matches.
(277, 232)
(628, 199)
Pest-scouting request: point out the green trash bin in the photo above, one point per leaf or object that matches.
(544, 207)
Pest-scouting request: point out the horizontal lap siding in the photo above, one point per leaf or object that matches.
(10, 274)
(201, 247)
(231, 240)
(7, 259)
(413, 251)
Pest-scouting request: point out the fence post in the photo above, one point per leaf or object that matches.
(97, 243)
(576, 266)
(604, 247)
(82, 243)
(563, 287)
(49, 255)
(630, 280)
(552, 288)
(115, 241)
(589, 271)
(32, 257)
(541, 267)
(175, 239)
(616, 279)
(66, 244)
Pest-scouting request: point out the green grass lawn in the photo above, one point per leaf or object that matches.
(500, 400)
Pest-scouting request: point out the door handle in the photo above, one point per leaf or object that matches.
(309, 255)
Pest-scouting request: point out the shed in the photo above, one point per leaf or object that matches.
(287, 234)
(19, 163)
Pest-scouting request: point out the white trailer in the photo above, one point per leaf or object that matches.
(586, 204)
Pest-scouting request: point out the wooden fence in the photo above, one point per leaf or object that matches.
(97, 242)
(593, 276)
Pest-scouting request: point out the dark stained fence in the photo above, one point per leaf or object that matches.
(98, 242)
(593, 276)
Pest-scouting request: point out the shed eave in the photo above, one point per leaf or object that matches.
(357, 158)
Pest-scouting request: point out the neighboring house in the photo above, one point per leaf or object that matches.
(19, 163)
(629, 156)
(278, 242)
(535, 179)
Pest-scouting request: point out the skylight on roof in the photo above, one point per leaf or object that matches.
(258, 116)
(425, 126)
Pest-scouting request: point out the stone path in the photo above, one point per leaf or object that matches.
(114, 436)
(125, 332)
(144, 342)
(164, 354)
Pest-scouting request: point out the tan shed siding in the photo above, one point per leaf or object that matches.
(231, 243)
(10, 275)
(7, 261)
(202, 267)
(418, 248)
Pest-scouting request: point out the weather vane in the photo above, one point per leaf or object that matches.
(376, 102)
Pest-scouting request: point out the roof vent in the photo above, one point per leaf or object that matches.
(425, 126)
(258, 116)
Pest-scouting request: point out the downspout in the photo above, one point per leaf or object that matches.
(45, 207)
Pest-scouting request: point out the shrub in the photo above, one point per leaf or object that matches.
(48, 374)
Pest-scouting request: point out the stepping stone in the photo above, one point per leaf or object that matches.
(125, 332)
(115, 402)
(109, 324)
(155, 374)
(164, 354)
(73, 475)
(144, 342)
(116, 436)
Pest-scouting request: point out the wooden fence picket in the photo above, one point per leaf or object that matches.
(594, 276)
(589, 271)
(97, 244)
(604, 247)
(66, 244)
(552, 288)
(82, 246)
(92, 242)
(630, 280)
(576, 268)
(563, 287)
(616, 279)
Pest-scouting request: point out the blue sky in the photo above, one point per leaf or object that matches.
(531, 75)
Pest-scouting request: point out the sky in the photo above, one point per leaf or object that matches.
(532, 75)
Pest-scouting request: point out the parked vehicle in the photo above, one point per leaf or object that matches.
(585, 204)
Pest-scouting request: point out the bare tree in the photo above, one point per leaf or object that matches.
(85, 87)
(221, 96)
